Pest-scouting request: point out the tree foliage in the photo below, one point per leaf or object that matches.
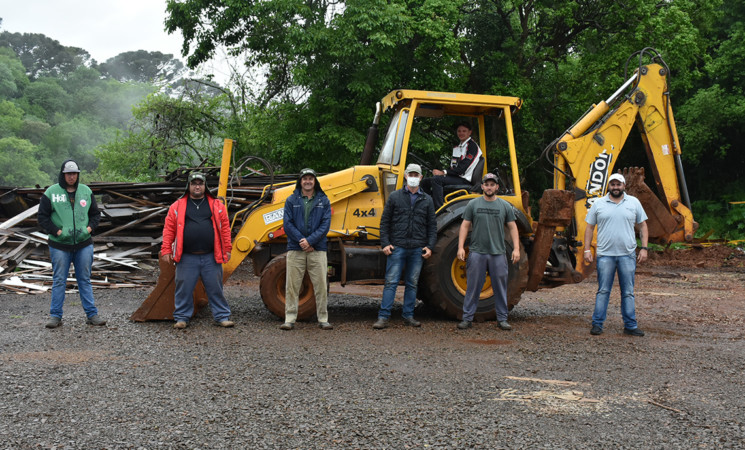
(142, 66)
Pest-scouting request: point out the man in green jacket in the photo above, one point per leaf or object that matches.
(69, 214)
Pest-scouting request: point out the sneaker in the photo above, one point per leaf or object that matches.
(381, 323)
(325, 326)
(596, 330)
(410, 321)
(287, 326)
(95, 320)
(180, 325)
(634, 332)
(465, 325)
(54, 322)
(226, 324)
(503, 325)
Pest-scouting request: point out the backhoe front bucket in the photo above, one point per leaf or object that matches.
(159, 305)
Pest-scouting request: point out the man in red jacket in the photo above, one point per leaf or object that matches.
(196, 238)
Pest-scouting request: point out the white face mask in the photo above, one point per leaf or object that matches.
(412, 181)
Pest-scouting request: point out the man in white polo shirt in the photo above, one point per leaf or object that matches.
(616, 214)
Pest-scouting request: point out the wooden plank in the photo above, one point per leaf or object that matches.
(134, 222)
(19, 218)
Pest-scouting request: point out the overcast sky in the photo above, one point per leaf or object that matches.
(104, 28)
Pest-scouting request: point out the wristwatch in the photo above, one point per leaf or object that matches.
(643, 248)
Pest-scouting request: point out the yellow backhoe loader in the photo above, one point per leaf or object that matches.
(582, 159)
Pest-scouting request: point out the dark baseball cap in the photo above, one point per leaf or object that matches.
(197, 176)
(490, 176)
(308, 171)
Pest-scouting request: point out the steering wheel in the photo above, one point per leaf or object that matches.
(420, 161)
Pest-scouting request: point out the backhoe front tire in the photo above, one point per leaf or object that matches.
(272, 288)
(443, 280)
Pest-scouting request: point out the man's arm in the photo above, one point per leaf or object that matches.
(323, 226)
(644, 237)
(288, 222)
(515, 236)
(94, 215)
(169, 234)
(385, 226)
(588, 242)
(431, 228)
(227, 243)
(465, 227)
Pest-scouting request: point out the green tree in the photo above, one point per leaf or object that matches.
(13, 79)
(11, 119)
(142, 66)
(44, 56)
(20, 160)
(167, 133)
(45, 98)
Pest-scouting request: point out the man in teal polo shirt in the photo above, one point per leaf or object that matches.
(69, 214)
(616, 214)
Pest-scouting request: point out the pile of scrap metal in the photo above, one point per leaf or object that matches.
(127, 241)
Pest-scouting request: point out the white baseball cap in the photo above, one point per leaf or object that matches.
(617, 176)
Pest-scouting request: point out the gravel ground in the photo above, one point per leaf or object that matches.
(548, 383)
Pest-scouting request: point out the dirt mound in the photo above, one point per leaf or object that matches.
(714, 256)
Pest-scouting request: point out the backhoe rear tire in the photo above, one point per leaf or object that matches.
(443, 280)
(272, 288)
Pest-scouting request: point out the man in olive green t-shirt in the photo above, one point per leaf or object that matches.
(486, 217)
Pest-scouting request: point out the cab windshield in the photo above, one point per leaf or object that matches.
(390, 150)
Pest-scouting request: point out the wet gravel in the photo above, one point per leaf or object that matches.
(547, 384)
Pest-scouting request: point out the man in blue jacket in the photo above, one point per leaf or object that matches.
(408, 233)
(307, 219)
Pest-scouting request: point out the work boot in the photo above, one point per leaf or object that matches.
(410, 321)
(180, 325)
(226, 323)
(95, 320)
(381, 323)
(54, 322)
(465, 325)
(503, 325)
(596, 330)
(287, 326)
(634, 332)
(325, 326)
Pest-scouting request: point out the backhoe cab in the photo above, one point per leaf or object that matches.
(582, 158)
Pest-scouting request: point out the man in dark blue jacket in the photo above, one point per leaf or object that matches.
(307, 219)
(408, 232)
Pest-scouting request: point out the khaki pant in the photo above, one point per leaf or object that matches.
(316, 264)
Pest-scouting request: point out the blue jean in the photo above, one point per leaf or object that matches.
(401, 258)
(607, 266)
(188, 271)
(82, 260)
(476, 268)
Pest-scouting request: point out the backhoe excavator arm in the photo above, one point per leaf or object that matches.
(585, 156)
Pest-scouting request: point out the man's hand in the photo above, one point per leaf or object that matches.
(515, 256)
(588, 256)
(388, 249)
(642, 256)
(438, 172)
(308, 249)
(304, 244)
(59, 232)
(168, 258)
(462, 253)
(90, 230)
(227, 255)
(426, 252)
